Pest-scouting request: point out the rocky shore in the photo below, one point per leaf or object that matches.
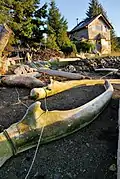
(89, 65)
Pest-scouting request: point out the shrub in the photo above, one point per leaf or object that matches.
(51, 42)
(68, 49)
(84, 46)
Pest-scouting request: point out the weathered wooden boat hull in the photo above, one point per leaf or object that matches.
(57, 124)
(58, 87)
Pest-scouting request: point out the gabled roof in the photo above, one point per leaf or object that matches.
(88, 21)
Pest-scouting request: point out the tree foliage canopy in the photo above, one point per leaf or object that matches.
(95, 8)
(24, 18)
(57, 28)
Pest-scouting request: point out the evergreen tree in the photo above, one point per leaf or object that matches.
(118, 39)
(95, 8)
(23, 17)
(51, 39)
(57, 26)
(39, 24)
(114, 41)
(55, 20)
(5, 10)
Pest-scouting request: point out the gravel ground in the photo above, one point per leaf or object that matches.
(86, 154)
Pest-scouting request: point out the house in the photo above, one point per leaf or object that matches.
(96, 30)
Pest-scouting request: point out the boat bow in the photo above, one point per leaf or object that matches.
(57, 124)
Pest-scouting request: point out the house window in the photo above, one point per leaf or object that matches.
(104, 28)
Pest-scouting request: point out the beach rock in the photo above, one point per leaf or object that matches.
(71, 69)
(112, 168)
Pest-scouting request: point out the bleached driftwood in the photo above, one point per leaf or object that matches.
(68, 75)
(54, 124)
(22, 81)
(106, 70)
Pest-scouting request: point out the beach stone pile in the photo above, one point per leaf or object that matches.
(91, 64)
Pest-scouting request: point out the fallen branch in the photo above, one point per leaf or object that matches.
(110, 73)
(72, 76)
(22, 81)
(19, 101)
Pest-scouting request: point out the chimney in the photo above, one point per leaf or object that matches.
(77, 20)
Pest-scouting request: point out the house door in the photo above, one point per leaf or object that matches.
(98, 45)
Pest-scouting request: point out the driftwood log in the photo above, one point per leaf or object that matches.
(56, 87)
(56, 124)
(22, 81)
(68, 75)
(106, 70)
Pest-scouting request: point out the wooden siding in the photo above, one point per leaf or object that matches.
(98, 27)
(80, 34)
(106, 46)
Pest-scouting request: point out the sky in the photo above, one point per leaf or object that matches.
(72, 9)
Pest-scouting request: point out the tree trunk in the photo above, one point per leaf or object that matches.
(4, 38)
